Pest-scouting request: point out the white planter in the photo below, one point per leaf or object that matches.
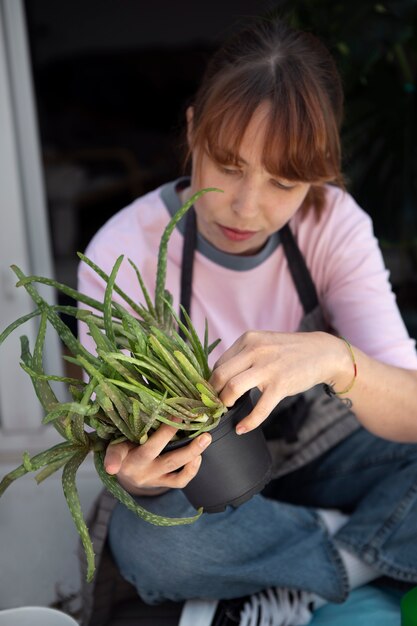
(35, 616)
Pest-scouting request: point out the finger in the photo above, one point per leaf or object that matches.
(158, 440)
(238, 385)
(179, 480)
(115, 455)
(264, 406)
(172, 461)
(233, 367)
(232, 351)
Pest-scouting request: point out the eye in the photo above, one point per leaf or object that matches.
(285, 187)
(229, 171)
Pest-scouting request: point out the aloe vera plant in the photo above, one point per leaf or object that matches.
(144, 373)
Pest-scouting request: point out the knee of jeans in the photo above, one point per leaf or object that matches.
(158, 561)
(160, 572)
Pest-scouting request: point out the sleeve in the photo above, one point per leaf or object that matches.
(356, 291)
(123, 234)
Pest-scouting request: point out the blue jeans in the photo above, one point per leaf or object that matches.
(277, 538)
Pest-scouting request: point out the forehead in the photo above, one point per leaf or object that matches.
(248, 145)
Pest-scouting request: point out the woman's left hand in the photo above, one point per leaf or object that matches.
(279, 365)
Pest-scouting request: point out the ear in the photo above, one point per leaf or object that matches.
(189, 114)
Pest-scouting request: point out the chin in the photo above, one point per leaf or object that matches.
(240, 250)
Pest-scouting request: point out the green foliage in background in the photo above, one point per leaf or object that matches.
(375, 47)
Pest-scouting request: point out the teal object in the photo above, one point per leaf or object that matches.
(366, 606)
(409, 608)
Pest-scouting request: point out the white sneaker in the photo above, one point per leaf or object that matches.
(277, 607)
(272, 607)
(198, 613)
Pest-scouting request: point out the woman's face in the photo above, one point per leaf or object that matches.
(254, 204)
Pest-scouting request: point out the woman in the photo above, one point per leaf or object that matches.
(264, 128)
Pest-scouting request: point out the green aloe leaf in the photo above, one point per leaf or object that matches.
(196, 345)
(111, 483)
(128, 373)
(135, 418)
(77, 418)
(52, 468)
(208, 401)
(148, 366)
(135, 328)
(212, 346)
(170, 362)
(6, 332)
(60, 379)
(189, 370)
(207, 392)
(175, 342)
(163, 248)
(155, 414)
(42, 388)
(62, 329)
(100, 339)
(168, 408)
(199, 352)
(37, 462)
(108, 407)
(108, 321)
(144, 290)
(119, 399)
(134, 305)
(206, 343)
(70, 407)
(68, 291)
(71, 495)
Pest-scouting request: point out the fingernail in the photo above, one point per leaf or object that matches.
(204, 441)
(241, 430)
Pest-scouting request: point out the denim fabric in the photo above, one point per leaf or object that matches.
(277, 539)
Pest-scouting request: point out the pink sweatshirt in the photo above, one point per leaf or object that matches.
(237, 294)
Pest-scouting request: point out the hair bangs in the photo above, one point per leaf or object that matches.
(300, 144)
(223, 140)
(301, 140)
(220, 127)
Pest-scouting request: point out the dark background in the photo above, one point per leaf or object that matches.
(113, 78)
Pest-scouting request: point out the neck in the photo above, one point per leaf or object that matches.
(184, 194)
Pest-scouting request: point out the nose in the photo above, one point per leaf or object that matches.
(245, 199)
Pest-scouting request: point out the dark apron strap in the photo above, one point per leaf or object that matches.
(296, 264)
(286, 423)
(187, 265)
(299, 271)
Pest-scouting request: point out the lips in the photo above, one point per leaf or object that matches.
(234, 234)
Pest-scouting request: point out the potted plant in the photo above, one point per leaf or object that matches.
(144, 374)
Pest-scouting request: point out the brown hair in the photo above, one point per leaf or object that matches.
(295, 73)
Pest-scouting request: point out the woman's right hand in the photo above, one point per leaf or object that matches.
(143, 470)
